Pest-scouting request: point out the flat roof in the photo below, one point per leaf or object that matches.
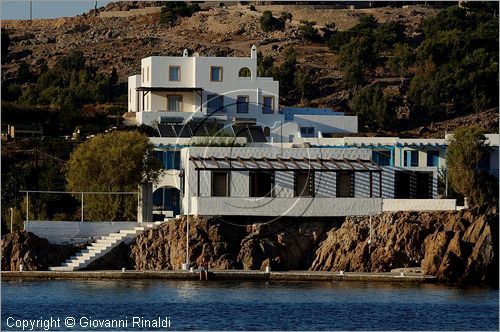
(169, 89)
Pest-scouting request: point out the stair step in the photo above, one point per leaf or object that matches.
(99, 248)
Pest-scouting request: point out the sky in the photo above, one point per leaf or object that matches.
(20, 9)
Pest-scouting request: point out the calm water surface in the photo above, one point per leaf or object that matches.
(234, 305)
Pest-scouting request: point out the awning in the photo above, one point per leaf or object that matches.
(264, 163)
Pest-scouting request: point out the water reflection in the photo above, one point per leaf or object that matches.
(260, 305)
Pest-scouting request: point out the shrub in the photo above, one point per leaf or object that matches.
(307, 31)
(172, 10)
(373, 108)
(270, 23)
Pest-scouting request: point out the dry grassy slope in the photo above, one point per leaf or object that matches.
(122, 42)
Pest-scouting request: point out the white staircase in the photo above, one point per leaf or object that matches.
(99, 248)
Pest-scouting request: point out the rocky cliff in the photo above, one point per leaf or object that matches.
(285, 244)
(456, 247)
(32, 252)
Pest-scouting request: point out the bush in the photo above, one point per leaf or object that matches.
(13, 92)
(401, 60)
(270, 23)
(373, 108)
(172, 10)
(307, 31)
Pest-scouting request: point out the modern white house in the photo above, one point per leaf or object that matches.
(174, 91)
(271, 161)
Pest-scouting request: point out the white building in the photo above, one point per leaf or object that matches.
(175, 91)
(271, 152)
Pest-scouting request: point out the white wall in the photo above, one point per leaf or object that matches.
(419, 205)
(328, 123)
(296, 206)
(68, 232)
(133, 96)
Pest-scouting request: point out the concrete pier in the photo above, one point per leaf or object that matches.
(223, 275)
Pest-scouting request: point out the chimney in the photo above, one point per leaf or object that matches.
(253, 53)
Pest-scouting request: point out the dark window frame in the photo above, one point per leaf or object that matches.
(228, 183)
(310, 181)
(352, 184)
(251, 189)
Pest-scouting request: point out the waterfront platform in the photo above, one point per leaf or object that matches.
(410, 277)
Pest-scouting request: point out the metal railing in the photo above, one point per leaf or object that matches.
(81, 193)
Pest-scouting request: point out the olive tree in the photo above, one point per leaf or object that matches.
(467, 149)
(115, 162)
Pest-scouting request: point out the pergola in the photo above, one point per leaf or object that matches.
(287, 164)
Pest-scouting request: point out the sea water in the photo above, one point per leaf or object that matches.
(243, 305)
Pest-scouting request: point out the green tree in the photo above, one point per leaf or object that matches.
(401, 60)
(303, 83)
(119, 161)
(467, 149)
(373, 108)
(264, 65)
(356, 57)
(388, 34)
(285, 71)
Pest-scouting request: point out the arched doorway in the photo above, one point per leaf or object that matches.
(166, 201)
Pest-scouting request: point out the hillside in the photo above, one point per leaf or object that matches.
(120, 42)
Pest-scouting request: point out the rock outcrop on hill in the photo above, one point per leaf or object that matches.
(33, 252)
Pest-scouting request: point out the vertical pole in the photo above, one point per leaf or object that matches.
(31, 10)
(446, 183)
(27, 206)
(11, 218)
(138, 205)
(82, 209)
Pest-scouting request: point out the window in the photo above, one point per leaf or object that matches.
(215, 103)
(242, 104)
(220, 184)
(171, 160)
(304, 184)
(261, 184)
(216, 74)
(174, 103)
(268, 105)
(174, 73)
(410, 158)
(244, 72)
(307, 131)
(433, 158)
(345, 184)
(382, 158)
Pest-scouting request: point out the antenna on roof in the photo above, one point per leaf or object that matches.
(31, 10)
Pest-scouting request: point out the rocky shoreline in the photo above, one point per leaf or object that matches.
(456, 247)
